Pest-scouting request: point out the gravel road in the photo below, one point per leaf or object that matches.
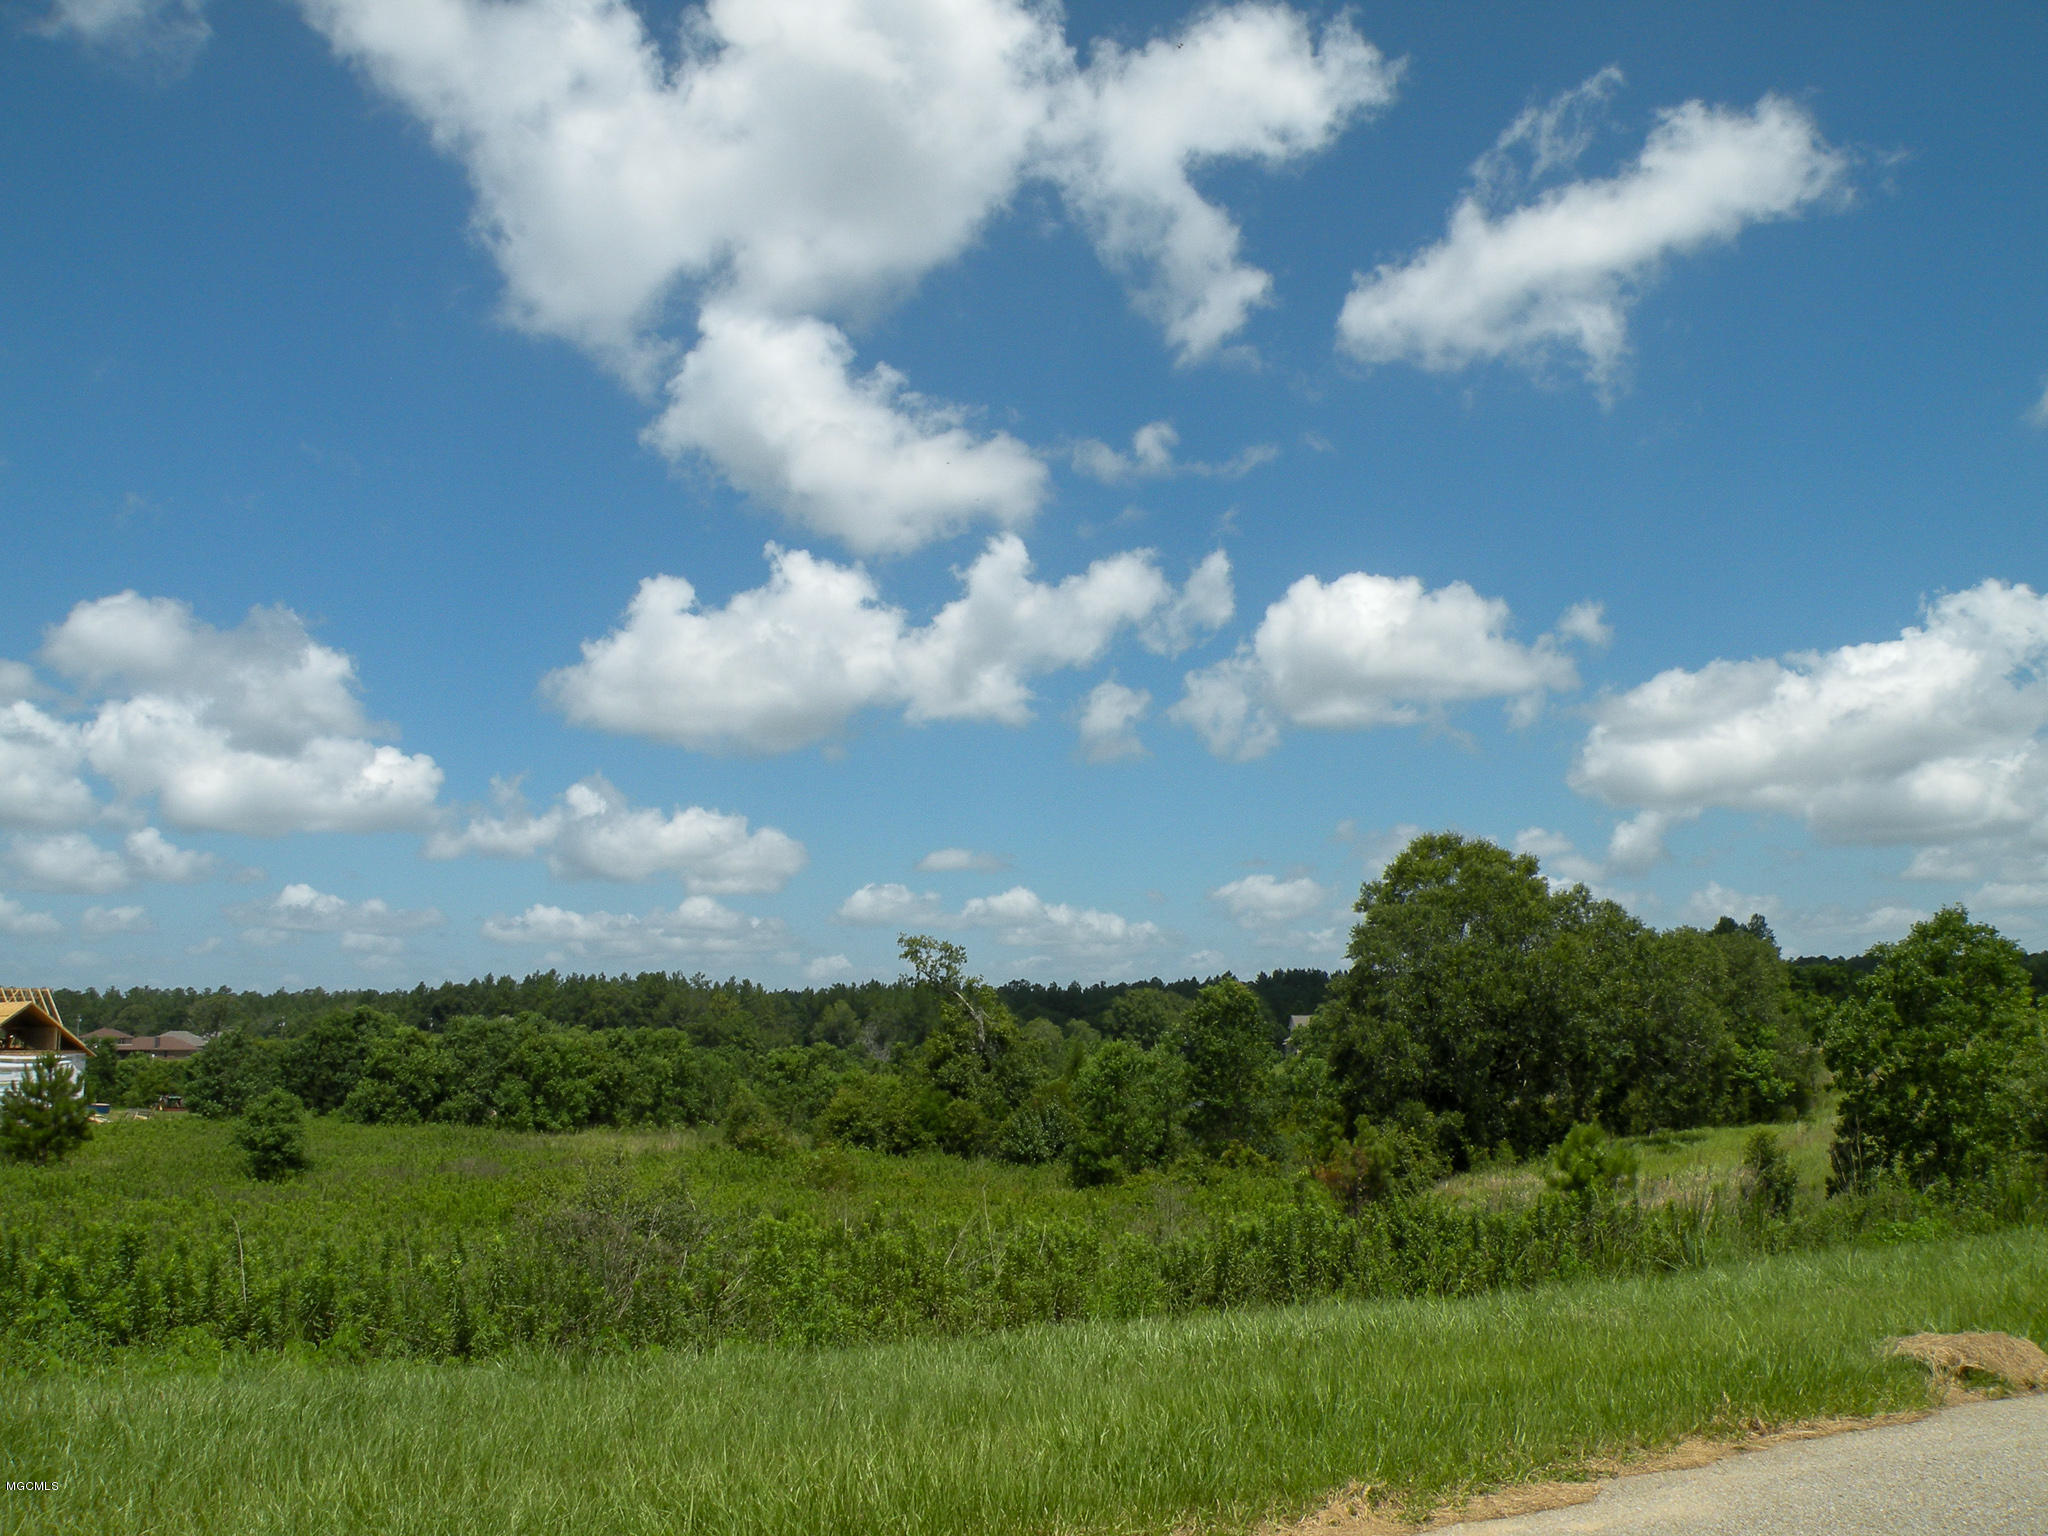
(1980, 1469)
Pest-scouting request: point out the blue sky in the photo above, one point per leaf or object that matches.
(495, 484)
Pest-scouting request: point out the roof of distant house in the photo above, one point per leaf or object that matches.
(172, 1042)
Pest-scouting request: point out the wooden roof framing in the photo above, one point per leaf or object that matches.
(29, 1022)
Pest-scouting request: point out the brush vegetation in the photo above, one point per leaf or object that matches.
(1206, 1423)
(1528, 1182)
(449, 1243)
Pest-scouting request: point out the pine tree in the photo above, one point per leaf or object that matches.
(44, 1115)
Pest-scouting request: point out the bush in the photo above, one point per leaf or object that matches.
(1383, 1162)
(272, 1135)
(44, 1116)
(1773, 1186)
(1226, 1039)
(751, 1127)
(1037, 1132)
(882, 1112)
(1586, 1162)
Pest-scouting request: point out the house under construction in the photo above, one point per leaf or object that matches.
(30, 1027)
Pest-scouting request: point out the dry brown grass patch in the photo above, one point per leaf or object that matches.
(1351, 1511)
(1953, 1356)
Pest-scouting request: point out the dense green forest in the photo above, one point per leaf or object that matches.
(1485, 1013)
(652, 999)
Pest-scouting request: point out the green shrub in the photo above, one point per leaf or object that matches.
(751, 1127)
(272, 1135)
(1382, 1162)
(235, 1067)
(1226, 1039)
(625, 1258)
(1587, 1162)
(1772, 1185)
(1037, 1132)
(831, 1168)
(882, 1112)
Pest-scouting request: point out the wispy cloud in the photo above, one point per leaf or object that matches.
(1562, 270)
(1152, 456)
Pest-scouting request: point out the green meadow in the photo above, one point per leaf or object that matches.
(443, 1243)
(1210, 1422)
(172, 1172)
(1157, 1277)
(179, 1173)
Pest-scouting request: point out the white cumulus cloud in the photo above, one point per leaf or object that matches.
(72, 861)
(802, 164)
(366, 926)
(98, 922)
(17, 681)
(1262, 901)
(823, 970)
(152, 856)
(1561, 270)
(1714, 901)
(163, 34)
(1244, 82)
(254, 729)
(16, 921)
(592, 832)
(882, 469)
(697, 927)
(40, 759)
(1366, 650)
(1932, 741)
(1931, 737)
(1638, 843)
(1561, 860)
(1587, 624)
(1022, 919)
(1108, 722)
(955, 860)
(789, 664)
(1019, 918)
(1152, 457)
(888, 906)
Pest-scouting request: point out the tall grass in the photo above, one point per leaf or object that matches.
(175, 1173)
(1672, 1164)
(617, 1268)
(1211, 1421)
(413, 1261)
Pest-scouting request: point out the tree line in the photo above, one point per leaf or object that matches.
(1485, 1013)
(876, 1013)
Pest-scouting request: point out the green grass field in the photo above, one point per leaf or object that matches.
(1672, 1164)
(1208, 1423)
(178, 1171)
(443, 1243)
